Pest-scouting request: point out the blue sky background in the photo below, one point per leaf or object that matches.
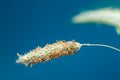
(25, 24)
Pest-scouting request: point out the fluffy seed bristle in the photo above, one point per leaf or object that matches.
(50, 51)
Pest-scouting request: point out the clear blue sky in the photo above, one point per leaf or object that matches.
(25, 24)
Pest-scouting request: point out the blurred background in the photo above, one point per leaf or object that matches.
(25, 24)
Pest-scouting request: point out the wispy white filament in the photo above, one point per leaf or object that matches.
(102, 45)
(109, 16)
